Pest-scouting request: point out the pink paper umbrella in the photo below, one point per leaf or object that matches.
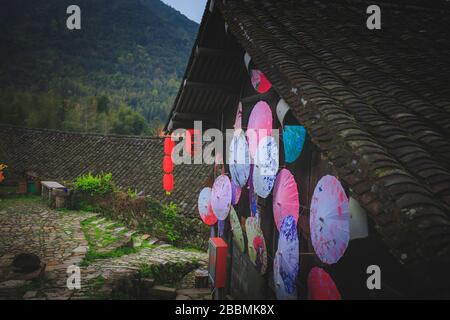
(204, 207)
(221, 197)
(329, 220)
(259, 125)
(285, 198)
(321, 286)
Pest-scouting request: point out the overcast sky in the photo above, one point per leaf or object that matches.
(193, 9)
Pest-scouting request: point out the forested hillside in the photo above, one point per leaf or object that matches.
(118, 74)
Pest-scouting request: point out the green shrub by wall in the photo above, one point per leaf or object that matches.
(100, 184)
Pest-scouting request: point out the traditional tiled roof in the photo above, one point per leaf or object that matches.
(135, 162)
(376, 103)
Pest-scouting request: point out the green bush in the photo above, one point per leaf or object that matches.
(100, 184)
(166, 220)
(132, 193)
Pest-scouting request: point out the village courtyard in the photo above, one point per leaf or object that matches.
(114, 261)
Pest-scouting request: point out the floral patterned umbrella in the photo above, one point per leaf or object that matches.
(266, 166)
(238, 119)
(293, 141)
(239, 159)
(260, 81)
(221, 197)
(259, 125)
(256, 244)
(236, 228)
(235, 193)
(285, 198)
(252, 196)
(286, 262)
(329, 220)
(204, 207)
(321, 286)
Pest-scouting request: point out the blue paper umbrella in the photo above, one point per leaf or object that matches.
(293, 139)
(286, 262)
(266, 166)
(239, 159)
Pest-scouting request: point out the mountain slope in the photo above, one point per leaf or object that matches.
(129, 54)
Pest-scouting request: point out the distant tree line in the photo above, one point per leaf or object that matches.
(119, 74)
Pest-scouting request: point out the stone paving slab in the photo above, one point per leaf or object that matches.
(58, 239)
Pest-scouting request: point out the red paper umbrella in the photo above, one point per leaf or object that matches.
(329, 220)
(259, 125)
(204, 207)
(258, 78)
(285, 198)
(321, 286)
(260, 81)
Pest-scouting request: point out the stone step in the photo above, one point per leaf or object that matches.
(161, 292)
(195, 293)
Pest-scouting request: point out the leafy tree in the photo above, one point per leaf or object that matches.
(103, 104)
(53, 78)
(129, 122)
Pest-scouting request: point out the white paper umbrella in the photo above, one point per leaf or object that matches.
(329, 220)
(239, 159)
(282, 110)
(286, 263)
(221, 197)
(266, 166)
(359, 227)
(204, 207)
(236, 228)
(238, 119)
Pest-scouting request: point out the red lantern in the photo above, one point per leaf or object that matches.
(192, 141)
(169, 144)
(167, 164)
(168, 183)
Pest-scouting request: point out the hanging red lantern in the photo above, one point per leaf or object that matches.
(169, 144)
(168, 183)
(167, 164)
(192, 141)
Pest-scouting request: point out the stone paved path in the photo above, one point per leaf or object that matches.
(28, 225)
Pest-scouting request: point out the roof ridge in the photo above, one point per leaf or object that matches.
(5, 125)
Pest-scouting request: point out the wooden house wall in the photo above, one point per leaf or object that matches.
(349, 273)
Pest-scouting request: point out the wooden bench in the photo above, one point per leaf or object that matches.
(55, 193)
